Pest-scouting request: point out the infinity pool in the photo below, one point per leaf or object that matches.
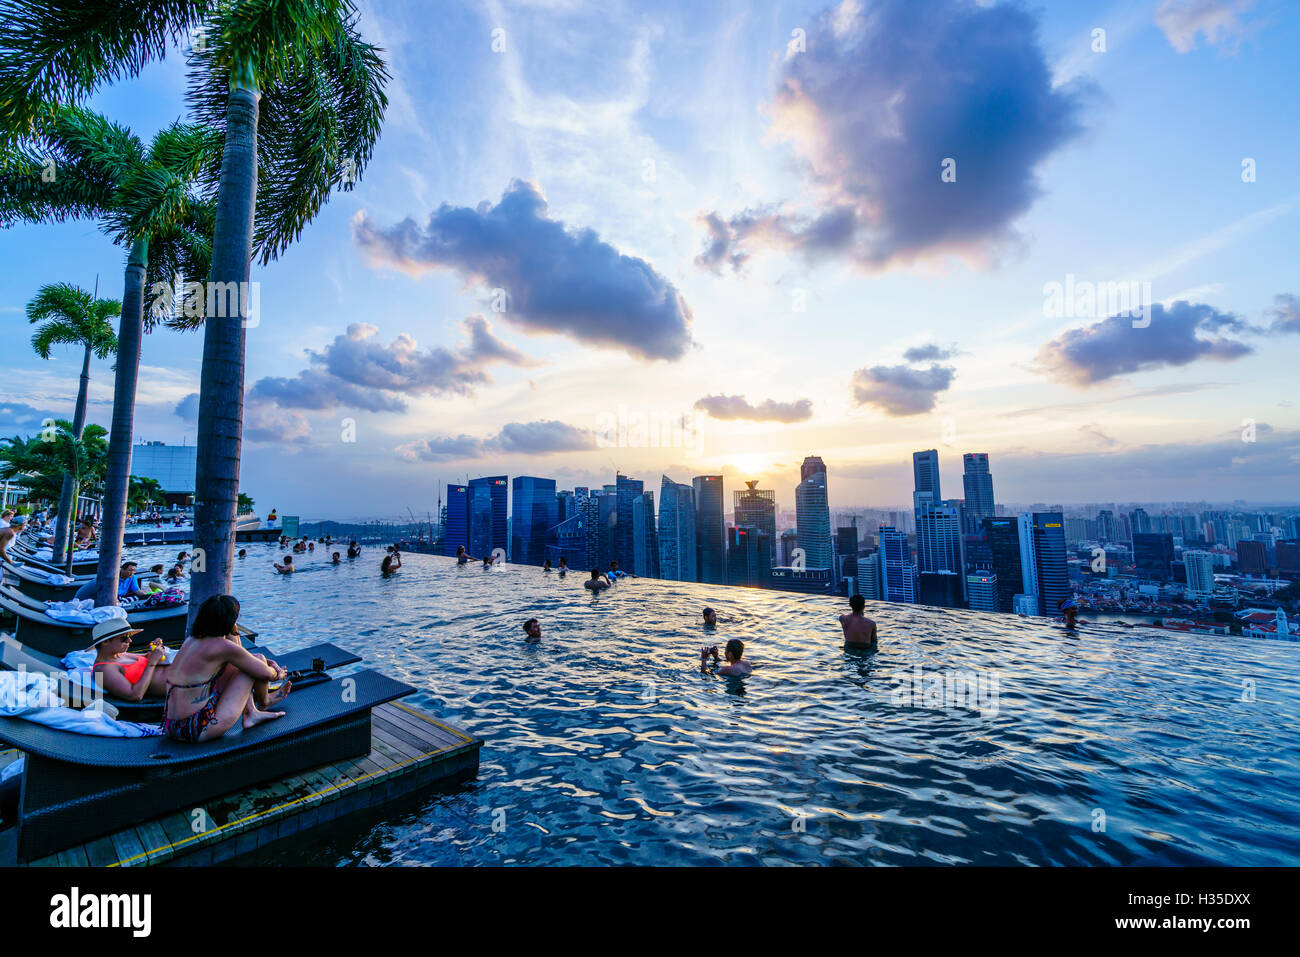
(606, 745)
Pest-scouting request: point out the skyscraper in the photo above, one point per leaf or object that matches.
(755, 508)
(982, 592)
(710, 529)
(534, 512)
(868, 579)
(897, 571)
(645, 539)
(925, 474)
(487, 514)
(939, 538)
(1106, 528)
(1049, 560)
(749, 557)
(455, 526)
(1003, 534)
(813, 521)
(977, 482)
(1200, 573)
(677, 555)
(627, 490)
(811, 466)
(1153, 554)
(1027, 601)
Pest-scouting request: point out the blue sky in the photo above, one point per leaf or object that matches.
(697, 210)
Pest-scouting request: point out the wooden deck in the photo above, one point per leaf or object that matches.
(410, 751)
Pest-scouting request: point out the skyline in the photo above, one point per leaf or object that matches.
(629, 282)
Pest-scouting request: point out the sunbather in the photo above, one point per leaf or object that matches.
(213, 682)
(127, 675)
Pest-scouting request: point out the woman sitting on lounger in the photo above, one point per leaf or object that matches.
(213, 682)
(127, 675)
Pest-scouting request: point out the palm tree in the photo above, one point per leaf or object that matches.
(71, 316)
(149, 200)
(81, 458)
(144, 491)
(296, 90)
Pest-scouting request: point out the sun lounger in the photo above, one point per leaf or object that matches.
(76, 787)
(38, 630)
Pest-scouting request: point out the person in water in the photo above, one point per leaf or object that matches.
(391, 563)
(710, 618)
(1069, 610)
(463, 557)
(615, 573)
(533, 629)
(859, 630)
(214, 682)
(126, 675)
(597, 581)
(564, 566)
(546, 565)
(287, 567)
(736, 667)
(176, 575)
(243, 553)
(354, 548)
(488, 560)
(334, 559)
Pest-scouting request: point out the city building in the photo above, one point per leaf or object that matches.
(1050, 564)
(1252, 558)
(977, 483)
(897, 570)
(626, 491)
(749, 557)
(813, 520)
(941, 588)
(455, 523)
(756, 508)
(534, 512)
(488, 508)
(812, 464)
(1200, 573)
(173, 467)
(677, 552)
(939, 539)
(1153, 555)
(925, 474)
(982, 592)
(645, 537)
(810, 580)
(710, 530)
(868, 579)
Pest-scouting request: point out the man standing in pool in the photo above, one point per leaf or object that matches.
(533, 629)
(736, 667)
(1069, 609)
(859, 630)
(710, 618)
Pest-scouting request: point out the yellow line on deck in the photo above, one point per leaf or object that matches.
(424, 717)
(288, 804)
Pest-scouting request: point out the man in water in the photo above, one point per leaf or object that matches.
(736, 666)
(533, 629)
(287, 567)
(614, 572)
(463, 557)
(546, 565)
(710, 618)
(564, 566)
(354, 548)
(243, 553)
(597, 581)
(334, 559)
(391, 563)
(859, 630)
(1069, 609)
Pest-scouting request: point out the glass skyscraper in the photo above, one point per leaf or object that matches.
(1003, 534)
(925, 474)
(627, 490)
(455, 525)
(710, 530)
(939, 540)
(755, 508)
(897, 571)
(645, 539)
(978, 486)
(677, 557)
(488, 507)
(534, 512)
(1049, 558)
(813, 519)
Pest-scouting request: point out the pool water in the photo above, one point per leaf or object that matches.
(606, 744)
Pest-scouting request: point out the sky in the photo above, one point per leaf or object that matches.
(690, 239)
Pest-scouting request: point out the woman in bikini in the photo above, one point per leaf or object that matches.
(213, 682)
(127, 675)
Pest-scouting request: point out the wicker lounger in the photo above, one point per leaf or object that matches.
(78, 787)
(13, 656)
(37, 630)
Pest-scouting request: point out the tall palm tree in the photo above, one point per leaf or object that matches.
(295, 89)
(150, 201)
(71, 316)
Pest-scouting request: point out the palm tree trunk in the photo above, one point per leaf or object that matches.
(221, 389)
(116, 483)
(63, 528)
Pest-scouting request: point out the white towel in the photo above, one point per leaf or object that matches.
(82, 612)
(35, 697)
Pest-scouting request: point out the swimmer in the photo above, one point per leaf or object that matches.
(287, 567)
(859, 630)
(354, 548)
(614, 572)
(597, 581)
(334, 559)
(710, 618)
(736, 667)
(390, 564)
(533, 629)
(462, 557)
(546, 565)
(243, 553)
(564, 566)
(1069, 608)
(487, 561)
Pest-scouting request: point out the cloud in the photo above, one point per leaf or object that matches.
(1112, 347)
(188, 408)
(19, 417)
(264, 423)
(900, 390)
(520, 438)
(929, 353)
(738, 407)
(884, 94)
(358, 371)
(1215, 20)
(557, 280)
(1285, 314)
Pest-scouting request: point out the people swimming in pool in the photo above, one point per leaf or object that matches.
(546, 565)
(243, 553)
(487, 561)
(1069, 609)
(737, 665)
(615, 573)
(533, 629)
(597, 581)
(859, 630)
(710, 618)
(564, 566)
(285, 567)
(334, 559)
(214, 682)
(354, 548)
(463, 557)
(391, 563)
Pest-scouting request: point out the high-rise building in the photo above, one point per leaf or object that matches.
(1050, 562)
(943, 589)
(1003, 534)
(925, 473)
(939, 539)
(1106, 530)
(534, 512)
(749, 557)
(626, 490)
(1288, 559)
(868, 580)
(710, 530)
(455, 526)
(677, 554)
(813, 520)
(645, 539)
(1153, 554)
(1139, 521)
(982, 592)
(846, 551)
(756, 508)
(977, 483)
(565, 506)
(488, 508)
(1200, 573)
(810, 467)
(897, 570)
(1028, 565)
(1252, 559)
